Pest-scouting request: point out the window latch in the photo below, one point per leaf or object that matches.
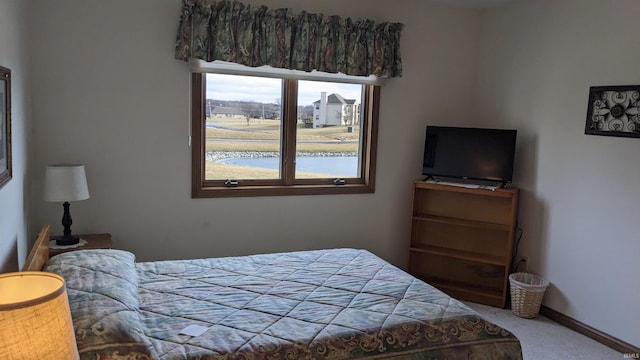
(231, 183)
(339, 181)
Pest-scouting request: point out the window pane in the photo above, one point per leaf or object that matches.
(328, 141)
(243, 127)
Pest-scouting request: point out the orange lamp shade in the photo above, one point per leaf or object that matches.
(35, 320)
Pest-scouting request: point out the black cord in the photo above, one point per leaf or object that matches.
(514, 267)
(514, 263)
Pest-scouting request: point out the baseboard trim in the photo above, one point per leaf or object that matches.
(588, 331)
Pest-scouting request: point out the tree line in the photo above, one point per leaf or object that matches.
(257, 110)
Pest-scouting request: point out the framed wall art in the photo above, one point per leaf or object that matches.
(614, 111)
(5, 125)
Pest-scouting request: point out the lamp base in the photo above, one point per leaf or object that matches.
(67, 240)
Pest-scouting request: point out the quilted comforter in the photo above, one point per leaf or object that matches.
(325, 304)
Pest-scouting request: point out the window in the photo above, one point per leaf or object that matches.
(263, 136)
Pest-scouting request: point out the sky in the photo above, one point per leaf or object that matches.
(267, 90)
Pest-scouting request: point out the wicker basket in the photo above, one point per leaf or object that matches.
(527, 291)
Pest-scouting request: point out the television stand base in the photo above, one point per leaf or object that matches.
(464, 185)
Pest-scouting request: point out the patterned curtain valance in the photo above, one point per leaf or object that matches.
(256, 36)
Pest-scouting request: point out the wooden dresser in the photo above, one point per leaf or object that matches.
(462, 240)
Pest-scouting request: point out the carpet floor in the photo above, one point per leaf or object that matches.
(543, 339)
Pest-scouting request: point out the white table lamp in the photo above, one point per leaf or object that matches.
(64, 183)
(36, 320)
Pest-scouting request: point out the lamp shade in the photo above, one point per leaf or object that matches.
(35, 317)
(65, 183)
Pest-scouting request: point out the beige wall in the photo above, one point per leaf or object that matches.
(580, 200)
(108, 93)
(14, 195)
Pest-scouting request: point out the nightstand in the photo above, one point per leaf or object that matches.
(87, 241)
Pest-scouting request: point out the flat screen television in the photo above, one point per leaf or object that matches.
(469, 153)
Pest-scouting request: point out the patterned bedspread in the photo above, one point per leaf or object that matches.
(325, 304)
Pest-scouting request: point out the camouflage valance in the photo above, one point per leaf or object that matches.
(256, 36)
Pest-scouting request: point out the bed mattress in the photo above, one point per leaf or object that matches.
(324, 304)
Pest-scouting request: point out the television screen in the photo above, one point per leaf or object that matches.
(469, 153)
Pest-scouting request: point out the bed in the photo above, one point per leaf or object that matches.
(321, 304)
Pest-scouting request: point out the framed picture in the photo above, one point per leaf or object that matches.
(614, 111)
(5, 125)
